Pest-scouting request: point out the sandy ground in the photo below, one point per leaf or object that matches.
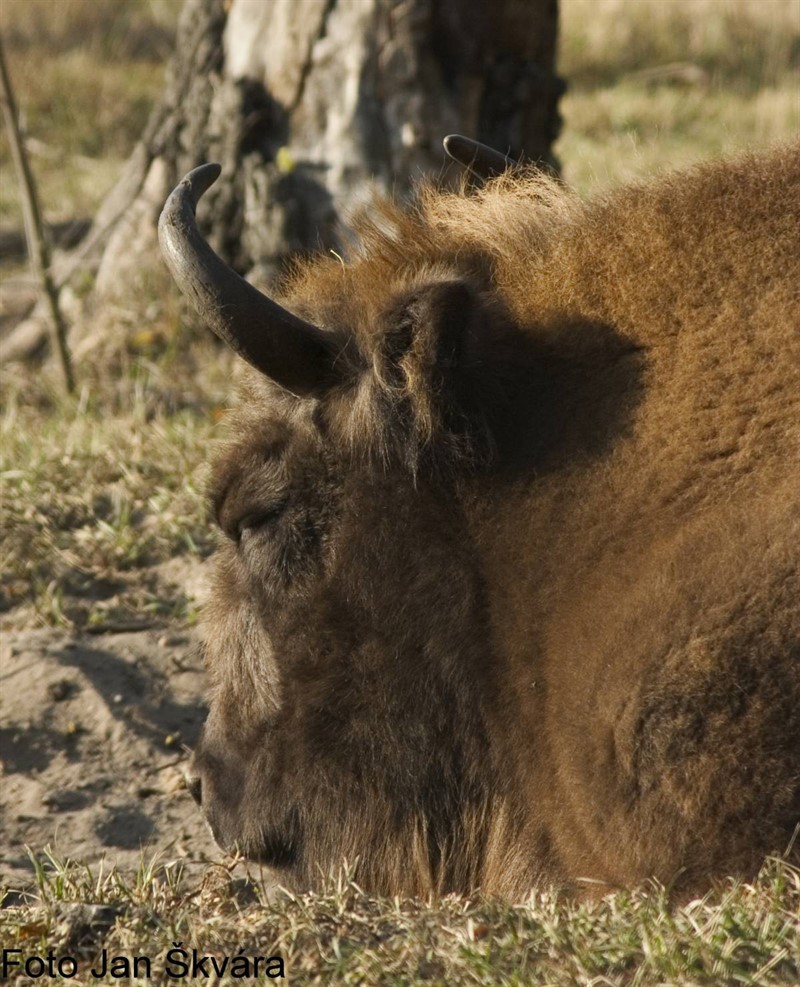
(92, 730)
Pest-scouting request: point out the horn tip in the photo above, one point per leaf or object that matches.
(180, 206)
(200, 179)
(451, 143)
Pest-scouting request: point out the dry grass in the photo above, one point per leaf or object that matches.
(742, 45)
(98, 493)
(739, 934)
(657, 85)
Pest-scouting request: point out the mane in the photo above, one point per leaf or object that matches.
(443, 233)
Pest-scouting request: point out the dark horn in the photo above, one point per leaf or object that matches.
(295, 354)
(481, 160)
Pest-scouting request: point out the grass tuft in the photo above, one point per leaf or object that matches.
(741, 933)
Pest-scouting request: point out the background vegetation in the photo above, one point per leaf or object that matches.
(103, 494)
(656, 85)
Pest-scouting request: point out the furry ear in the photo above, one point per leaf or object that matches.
(423, 338)
(418, 394)
(420, 371)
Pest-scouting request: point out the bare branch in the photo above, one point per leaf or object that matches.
(38, 251)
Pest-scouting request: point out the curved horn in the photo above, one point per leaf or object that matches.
(295, 354)
(481, 160)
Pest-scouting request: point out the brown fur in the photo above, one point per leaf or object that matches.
(518, 601)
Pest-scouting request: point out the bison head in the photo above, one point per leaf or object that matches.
(352, 688)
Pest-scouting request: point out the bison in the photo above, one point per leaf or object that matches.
(509, 589)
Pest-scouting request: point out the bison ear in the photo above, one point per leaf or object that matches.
(425, 407)
(425, 336)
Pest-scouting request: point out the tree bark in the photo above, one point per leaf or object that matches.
(310, 106)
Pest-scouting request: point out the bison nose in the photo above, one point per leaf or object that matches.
(195, 785)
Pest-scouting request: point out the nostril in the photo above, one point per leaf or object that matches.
(195, 786)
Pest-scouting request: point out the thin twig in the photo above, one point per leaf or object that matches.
(38, 251)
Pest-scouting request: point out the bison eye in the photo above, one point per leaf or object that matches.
(255, 521)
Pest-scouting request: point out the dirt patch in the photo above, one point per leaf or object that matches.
(92, 735)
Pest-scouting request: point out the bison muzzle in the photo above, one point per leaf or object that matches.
(509, 588)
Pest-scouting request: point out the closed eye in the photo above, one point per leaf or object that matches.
(256, 520)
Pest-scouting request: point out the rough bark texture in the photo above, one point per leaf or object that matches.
(310, 105)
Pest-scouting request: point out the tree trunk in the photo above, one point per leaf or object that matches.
(309, 106)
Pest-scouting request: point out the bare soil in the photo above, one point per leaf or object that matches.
(92, 735)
